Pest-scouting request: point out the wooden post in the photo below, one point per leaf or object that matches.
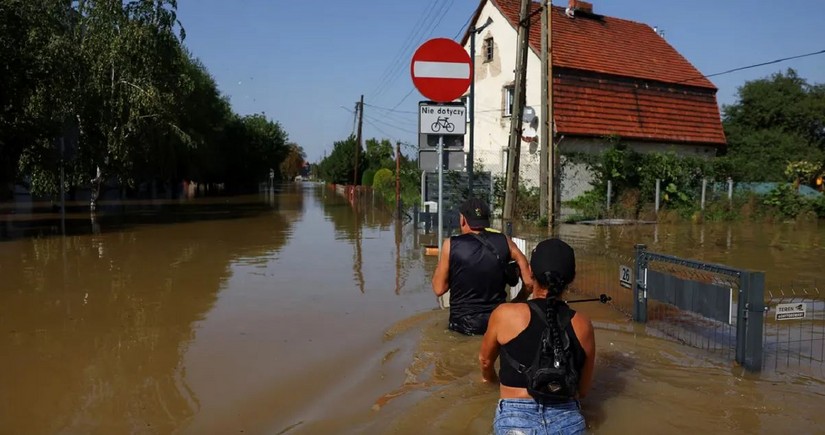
(360, 110)
(514, 148)
(398, 178)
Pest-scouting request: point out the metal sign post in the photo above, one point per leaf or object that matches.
(440, 193)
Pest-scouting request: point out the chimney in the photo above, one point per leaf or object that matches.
(579, 5)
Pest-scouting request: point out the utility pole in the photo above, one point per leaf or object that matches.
(544, 112)
(548, 127)
(514, 146)
(360, 110)
(398, 178)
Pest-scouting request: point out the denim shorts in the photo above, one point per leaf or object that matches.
(526, 417)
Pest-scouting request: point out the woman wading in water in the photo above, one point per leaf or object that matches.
(548, 351)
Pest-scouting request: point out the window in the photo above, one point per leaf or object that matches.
(508, 100)
(488, 49)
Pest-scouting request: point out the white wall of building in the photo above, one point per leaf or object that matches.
(492, 128)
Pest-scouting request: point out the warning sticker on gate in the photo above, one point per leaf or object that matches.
(791, 311)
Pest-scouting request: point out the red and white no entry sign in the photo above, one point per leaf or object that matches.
(441, 70)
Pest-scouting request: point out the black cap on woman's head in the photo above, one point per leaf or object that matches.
(553, 257)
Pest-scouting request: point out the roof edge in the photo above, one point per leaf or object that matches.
(649, 140)
(472, 23)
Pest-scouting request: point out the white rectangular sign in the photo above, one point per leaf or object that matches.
(791, 311)
(442, 119)
(522, 245)
(625, 277)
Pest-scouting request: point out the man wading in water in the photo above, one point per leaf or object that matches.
(548, 351)
(474, 268)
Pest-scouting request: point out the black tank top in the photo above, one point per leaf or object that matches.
(523, 348)
(476, 277)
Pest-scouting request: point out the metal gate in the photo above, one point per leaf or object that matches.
(702, 304)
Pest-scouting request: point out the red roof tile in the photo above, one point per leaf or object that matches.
(593, 106)
(608, 45)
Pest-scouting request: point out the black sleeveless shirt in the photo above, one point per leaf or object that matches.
(524, 346)
(476, 278)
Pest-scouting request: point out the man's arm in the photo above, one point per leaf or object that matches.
(526, 275)
(442, 271)
(490, 347)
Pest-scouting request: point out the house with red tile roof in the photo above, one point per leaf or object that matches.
(611, 78)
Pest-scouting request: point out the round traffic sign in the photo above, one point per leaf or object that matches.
(441, 70)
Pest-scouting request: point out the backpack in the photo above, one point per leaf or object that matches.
(552, 376)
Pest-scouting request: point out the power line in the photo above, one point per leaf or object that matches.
(389, 136)
(754, 66)
(403, 99)
(441, 13)
(404, 53)
(396, 116)
(400, 53)
(390, 110)
(390, 125)
(462, 29)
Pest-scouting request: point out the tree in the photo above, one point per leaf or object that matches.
(114, 78)
(339, 166)
(776, 120)
(379, 154)
(294, 161)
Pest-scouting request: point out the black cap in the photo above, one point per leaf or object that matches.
(476, 212)
(553, 256)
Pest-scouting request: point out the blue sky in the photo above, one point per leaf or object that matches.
(306, 63)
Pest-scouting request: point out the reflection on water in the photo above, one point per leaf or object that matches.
(93, 327)
(297, 311)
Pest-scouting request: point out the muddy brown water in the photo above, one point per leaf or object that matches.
(297, 312)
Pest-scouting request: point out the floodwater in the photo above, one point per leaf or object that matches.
(298, 312)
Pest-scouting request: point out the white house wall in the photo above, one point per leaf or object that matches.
(492, 129)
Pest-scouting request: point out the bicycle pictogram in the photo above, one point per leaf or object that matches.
(443, 122)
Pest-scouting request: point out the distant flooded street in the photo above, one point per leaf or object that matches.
(299, 312)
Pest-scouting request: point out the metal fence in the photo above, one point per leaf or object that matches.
(794, 336)
(694, 303)
(697, 306)
(715, 308)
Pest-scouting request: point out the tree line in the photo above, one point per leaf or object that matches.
(349, 163)
(107, 91)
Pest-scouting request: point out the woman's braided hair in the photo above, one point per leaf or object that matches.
(555, 285)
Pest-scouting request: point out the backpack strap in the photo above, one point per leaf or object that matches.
(564, 317)
(519, 367)
(490, 247)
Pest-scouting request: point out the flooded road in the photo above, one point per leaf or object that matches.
(297, 312)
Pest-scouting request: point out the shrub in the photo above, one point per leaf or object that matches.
(366, 179)
(384, 184)
(786, 201)
(589, 205)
